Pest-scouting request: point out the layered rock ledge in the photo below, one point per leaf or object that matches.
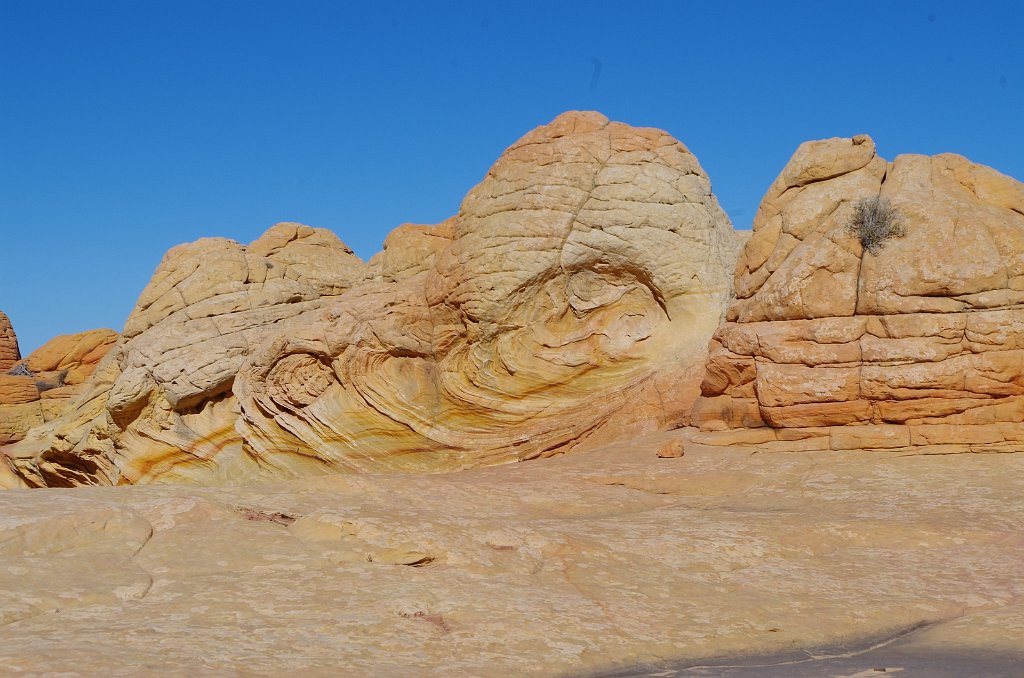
(919, 344)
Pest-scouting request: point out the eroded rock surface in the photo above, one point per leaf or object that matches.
(10, 354)
(834, 346)
(208, 303)
(566, 566)
(569, 302)
(36, 389)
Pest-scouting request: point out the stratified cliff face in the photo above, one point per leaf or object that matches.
(826, 341)
(568, 303)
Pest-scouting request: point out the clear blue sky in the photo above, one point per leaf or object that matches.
(129, 127)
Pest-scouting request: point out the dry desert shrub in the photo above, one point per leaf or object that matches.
(21, 370)
(874, 221)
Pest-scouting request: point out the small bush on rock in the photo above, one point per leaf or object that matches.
(874, 221)
(21, 370)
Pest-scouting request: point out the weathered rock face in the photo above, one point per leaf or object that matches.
(16, 391)
(928, 331)
(69, 359)
(207, 304)
(569, 302)
(9, 352)
(36, 389)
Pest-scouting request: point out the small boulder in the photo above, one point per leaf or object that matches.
(671, 449)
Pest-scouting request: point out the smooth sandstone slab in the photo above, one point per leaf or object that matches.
(566, 566)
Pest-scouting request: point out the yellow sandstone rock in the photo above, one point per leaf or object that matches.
(36, 389)
(17, 389)
(567, 304)
(925, 331)
(9, 353)
(74, 354)
(671, 449)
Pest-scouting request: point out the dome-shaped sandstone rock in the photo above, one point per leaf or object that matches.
(926, 331)
(569, 302)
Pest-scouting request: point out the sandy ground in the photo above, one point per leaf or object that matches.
(613, 562)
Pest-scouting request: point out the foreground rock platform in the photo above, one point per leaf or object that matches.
(604, 561)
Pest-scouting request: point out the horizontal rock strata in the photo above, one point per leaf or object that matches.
(9, 351)
(919, 343)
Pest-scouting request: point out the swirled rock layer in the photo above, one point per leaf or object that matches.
(568, 303)
(921, 343)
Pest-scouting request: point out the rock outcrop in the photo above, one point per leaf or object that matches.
(192, 327)
(18, 410)
(921, 343)
(569, 302)
(36, 389)
(10, 354)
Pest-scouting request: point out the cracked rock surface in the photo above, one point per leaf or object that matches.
(164, 389)
(568, 303)
(586, 563)
(836, 347)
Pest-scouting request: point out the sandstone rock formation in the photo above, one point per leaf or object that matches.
(192, 327)
(576, 565)
(9, 352)
(833, 346)
(567, 303)
(36, 389)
